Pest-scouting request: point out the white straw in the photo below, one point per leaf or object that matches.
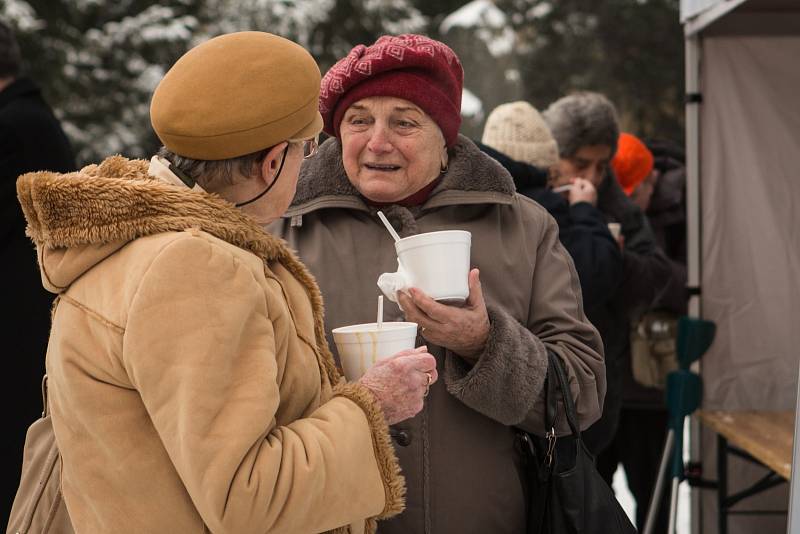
(388, 226)
(380, 311)
(562, 188)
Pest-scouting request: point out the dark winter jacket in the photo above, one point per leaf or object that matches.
(667, 216)
(30, 139)
(584, 233)
(462, 467)
(646, 273)
(582, 230)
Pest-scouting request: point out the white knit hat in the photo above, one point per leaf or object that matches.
(517, 130)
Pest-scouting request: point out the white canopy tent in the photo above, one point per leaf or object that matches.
(743, 199)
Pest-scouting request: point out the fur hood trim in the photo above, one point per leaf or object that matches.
(117, 201)
(471, 177)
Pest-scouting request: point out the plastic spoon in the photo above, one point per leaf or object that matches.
(562, 188)
(380, 311)
(388, 226)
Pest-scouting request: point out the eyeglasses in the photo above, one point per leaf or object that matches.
(310, 146)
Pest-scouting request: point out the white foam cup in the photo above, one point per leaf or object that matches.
(615, 229)
(435, 262)
(361, 345)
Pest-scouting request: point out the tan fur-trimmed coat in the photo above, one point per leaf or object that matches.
(191, 387)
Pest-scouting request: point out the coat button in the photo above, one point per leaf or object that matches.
(401, 437)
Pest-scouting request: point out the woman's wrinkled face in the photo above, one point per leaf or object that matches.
(589, 162)
(390, 148)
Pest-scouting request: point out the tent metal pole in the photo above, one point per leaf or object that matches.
(794, 495)
(693, 214)
(694, 242)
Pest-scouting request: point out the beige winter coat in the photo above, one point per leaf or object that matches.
(191, 386)
(458, 455)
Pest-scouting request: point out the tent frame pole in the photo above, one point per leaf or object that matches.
(794, 494)
(694, 241)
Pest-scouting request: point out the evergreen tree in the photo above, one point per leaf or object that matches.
(631, 50)
(98, 61)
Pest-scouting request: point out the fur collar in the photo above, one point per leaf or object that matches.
(117, 201)
(472, 177)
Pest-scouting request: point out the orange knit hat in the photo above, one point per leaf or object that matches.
(632, 163)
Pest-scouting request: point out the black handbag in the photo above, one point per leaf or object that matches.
(566, 493)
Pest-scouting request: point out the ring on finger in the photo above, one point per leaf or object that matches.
(428, 383)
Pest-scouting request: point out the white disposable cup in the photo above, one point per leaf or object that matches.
(437, 263)
(615, 229)
(361, 345)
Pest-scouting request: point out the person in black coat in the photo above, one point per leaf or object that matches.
(587, 130)
(517, 128)
(31, 139)
(582, 231)
(666, 211)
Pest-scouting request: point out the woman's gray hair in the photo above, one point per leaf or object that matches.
(213, 175)
(582, 119)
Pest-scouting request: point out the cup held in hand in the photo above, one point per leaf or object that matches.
(361, 345)
(435, 262)
(615, 228)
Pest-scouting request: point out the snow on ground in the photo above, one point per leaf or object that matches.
(625, 498)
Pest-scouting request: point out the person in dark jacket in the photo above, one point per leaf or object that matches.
(586, 128)
(31, 139)
(666, 209)
(516, 136)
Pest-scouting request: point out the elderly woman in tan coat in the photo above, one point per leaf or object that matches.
(191, 387)
(393, 111)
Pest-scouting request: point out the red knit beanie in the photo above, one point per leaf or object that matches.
(632, 163)
(412, 67)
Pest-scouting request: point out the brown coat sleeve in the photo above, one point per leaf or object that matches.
(507, 382)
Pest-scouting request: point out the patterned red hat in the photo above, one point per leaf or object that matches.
(412, 67)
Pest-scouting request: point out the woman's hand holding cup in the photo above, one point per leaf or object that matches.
(401, 382)
(461, 329)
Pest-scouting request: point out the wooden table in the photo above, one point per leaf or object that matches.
(764, 438)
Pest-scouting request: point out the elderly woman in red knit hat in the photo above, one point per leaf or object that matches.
(393, 110)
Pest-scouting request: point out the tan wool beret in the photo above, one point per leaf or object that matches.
(237, 94)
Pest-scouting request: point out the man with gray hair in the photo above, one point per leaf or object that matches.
(586, 128)
(30, 140)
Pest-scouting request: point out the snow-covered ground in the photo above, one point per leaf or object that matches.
(620, 486)
(625, 498)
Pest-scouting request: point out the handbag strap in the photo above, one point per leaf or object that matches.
(557, 379)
